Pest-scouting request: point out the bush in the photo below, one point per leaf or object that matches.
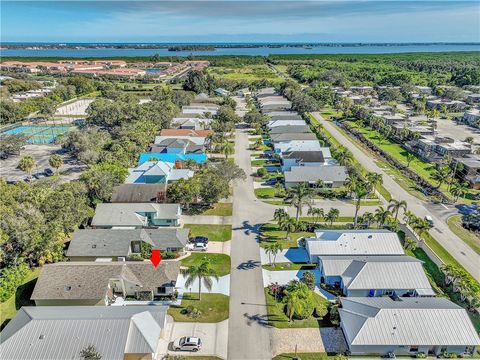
(308, 278)
(191, 311)
(421, 355)
(261, 172)
(10, 279)
(144, 295)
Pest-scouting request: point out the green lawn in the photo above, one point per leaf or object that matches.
(278, 319)
(213, 232)
(304, 356)
(220, 262)
(9, 308)
(245, 73)
(265, 162)
(271, 233)
(265, 193)
(220, 209)
(289, 266)
(469, 237)
(345, 219)
(213, 308)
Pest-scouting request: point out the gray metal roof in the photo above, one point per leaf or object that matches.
(326, 173)
(354, 242)
(293, 136)
(130, 214)
(305, 156)
(284, 129)
(116, 242)
(89, 280)
(409, 321)
(61, 332)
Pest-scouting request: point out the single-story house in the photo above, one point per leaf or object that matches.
(361, 89)
(139, 193)
(136, 215)
(283, 115)
(451, 105)
(222, 92)
(352, 243)
(473, 98)
(60, 332)
(190, 124)
(332, 176)
(102, 283)
(470, 169)
(244, 92)
(406, 326)
(177, 146)
(157, 172)
(471, 117)
(424, 89)
(290, 129)
(306, 158)
(297, 145)
(375, 275)
(277, 138)
(177, 159)
(196, 140)
(186, 133)
(275, 105)
(285, 122)
(93, 244)
(268, 91)
(200, 109)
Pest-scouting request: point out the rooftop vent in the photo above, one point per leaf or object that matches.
(41, 337)
(68, 288)
(94, 246)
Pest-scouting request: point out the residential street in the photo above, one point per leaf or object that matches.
(249, 337)
(452, 243)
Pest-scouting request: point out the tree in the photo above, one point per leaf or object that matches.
(27, 163)
(101, 178)
(343, 156)
(226, 148)
(12, 144)
(280, 215)
(203, 273)
(289, 225)
(258, 144)
(317, 214)
(299, 196)
(308, 278)
(213, 187)
(273, 249)
(47, 108)
(90, 353)
(381, 216)
(409, 157)
(55, 161)
(196, 81)
(441, 174)
(298, 299)
(332, 215)
(184, 191)
(409, 244)
(459, 189)
(396, 205)
(373, 180)
(361, 191)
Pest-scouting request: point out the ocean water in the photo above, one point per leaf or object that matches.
(258, 51)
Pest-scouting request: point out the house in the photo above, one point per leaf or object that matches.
(59, 332)
(244, 92)
(286, 129)
(424, 89)
(450, 105)
(177, 159)
(353, 243)
(361, 89)
(93, 244)
(297, 145)
(200, 109)
(470, 169)
(286, 122)
(306, 158)
(179, 145)
(136, 215)
(221, 92)
(473, 98)
(433, 148)
(157, 172)
(472, 117)
(406, 326)
(190, 124)
(331, 176)
(185, 133)
(375, 275)
(275, 105)
(269, 91)
(284, 115)
(103, 283)
(289, 136)
(139, 193)
(412, 127)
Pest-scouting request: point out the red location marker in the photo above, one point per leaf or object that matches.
(156, 257)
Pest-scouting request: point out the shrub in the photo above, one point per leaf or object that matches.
(261, 172)
(144, 295)
(191, 311)
(10, 279)
(421, 355)
(308, 278)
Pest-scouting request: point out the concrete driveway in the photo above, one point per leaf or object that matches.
(222, 286)
(214, 337)
(206, 219)
(219, 247)
(293, 255)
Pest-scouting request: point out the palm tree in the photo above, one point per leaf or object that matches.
(421, 226)
(280, 215)
(298, 298)
(27, 163)
(351, 184)
(289, 225)
(332, 215)
(409, 244)
(361, 191)
(396, 205)
(203, 272)
(366, 218)
(459, 189)
(373, 180)
(409, 217)
(273, 249)
(381, 216)
(343, 156)
(299, 196)
(441, 175)
(55, 161)
(226, 148)
(317, 213)
(410, 157)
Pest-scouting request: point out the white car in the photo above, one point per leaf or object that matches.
(187, 344)
(197, 247)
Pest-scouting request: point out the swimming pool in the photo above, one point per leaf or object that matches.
(39, 134)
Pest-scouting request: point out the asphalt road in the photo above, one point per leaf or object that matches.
(452, 243)
(249, 337)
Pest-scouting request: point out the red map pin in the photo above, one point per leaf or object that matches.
(156, 257)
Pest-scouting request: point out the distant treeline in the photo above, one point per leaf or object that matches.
(192, 48)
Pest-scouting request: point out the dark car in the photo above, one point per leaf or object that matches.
(48, 172)
(199, 239)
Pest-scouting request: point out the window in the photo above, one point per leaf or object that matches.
(414, 348)
(388, 292)
(161, 290)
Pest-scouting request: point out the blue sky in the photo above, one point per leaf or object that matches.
(240, 21)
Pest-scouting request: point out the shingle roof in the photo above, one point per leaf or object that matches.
(116, 242)
(61, 332)
(89, 280)
(410, 321)
(135, 193)
(293, 136)
(325, 173)
(304, 156)
(284, 129)
(354, 242)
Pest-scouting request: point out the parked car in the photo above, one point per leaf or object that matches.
(197, 247)
(199, 239)
(48, 172)
(429, 219)
(39, 175)
(273, 181)
(187, 344)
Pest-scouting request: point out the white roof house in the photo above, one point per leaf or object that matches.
(151, 172)
(406, 326)
(197, 140)
(200, 109)
(191, 123)
(275, 123)
(297, 145)
(353, 242)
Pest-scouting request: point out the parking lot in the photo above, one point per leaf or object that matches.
(70, 170)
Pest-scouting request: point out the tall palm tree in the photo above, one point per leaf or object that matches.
(280, 215)
(343, 156)
(299, 196)
(381, 216)
(203, 272)
(366, 218)
(361, 191)
(289, 225)
(317, 213)
(459, 189)
(273, 249)
(441, 175)
(332, 215)
(373, 179)
(396, 205)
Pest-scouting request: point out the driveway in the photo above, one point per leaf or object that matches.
(219, 247)
(206, 219)
(294, 255)
(220, 286)
(214, 337)
(283, 277)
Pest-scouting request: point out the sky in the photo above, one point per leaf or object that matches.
(240, 21)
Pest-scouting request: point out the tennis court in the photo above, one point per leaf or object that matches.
(39, 134)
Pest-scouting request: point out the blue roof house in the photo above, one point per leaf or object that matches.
(172, 158)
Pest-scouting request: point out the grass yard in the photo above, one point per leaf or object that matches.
(265, 162)
(212, 231)
(469, 237)
(213, 308)
(245, 73)
(289, 266)
(220, 209)
(9, 308)
(277, 318)
(265, 193)
(303, 356)
(271, 233)
(220, 262)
